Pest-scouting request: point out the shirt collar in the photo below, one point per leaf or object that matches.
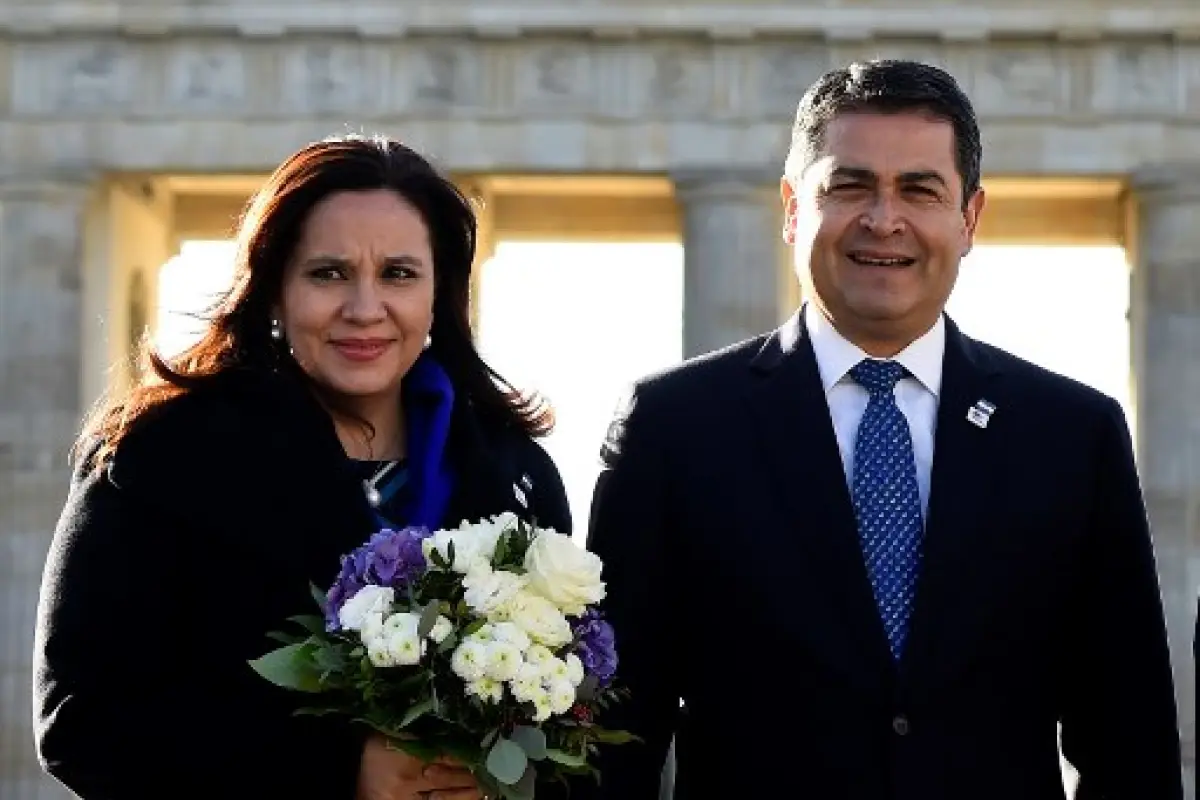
(836, 355)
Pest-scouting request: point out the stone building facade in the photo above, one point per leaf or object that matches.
(126, 126)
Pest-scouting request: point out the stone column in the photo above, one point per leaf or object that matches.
(731, 238)
(41, 232)
(1165, 319)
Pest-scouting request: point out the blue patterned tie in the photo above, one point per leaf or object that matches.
(887, 502)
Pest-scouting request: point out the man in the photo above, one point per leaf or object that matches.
(873, 557)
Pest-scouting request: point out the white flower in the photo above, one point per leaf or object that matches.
(406, 648)
(366, 601)
(372, 627)
(488, 591)
(379, 653)
(503, 660)
(543, 707)
(554, 669)
(538, 654)
(562, 697)
(400, 631)
(472, 543)
(512, 633)
(539, 618)
(486, 689)
(563, 572)
(470, 660)
(441, 629)
(527, 683)
(574, 669)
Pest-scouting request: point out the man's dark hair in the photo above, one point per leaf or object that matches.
(886, 87)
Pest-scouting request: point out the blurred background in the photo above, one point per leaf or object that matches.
(626, 158)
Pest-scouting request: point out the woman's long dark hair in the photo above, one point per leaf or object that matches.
(238, 334)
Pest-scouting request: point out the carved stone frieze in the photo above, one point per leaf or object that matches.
(571, 77)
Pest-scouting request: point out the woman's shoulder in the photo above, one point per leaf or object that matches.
(193, 431)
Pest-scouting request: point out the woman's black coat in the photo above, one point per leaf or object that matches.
(170, 565)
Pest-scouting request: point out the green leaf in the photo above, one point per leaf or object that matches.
(328, 659)
(416, 711)
(429, 618)
(506, 761)
(290, 667)
(587, 689)
(285, 638)
(528, 782)
(416, 748)
(566, 759)
(474, 628)
(310, 622)
(532, 741)
(319, 595)
(448, 644)
(438, 559)
(450, 554)
(489, 738)
(606, 736)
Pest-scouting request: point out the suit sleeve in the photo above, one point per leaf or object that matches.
(630, 531)
(123, 708)
(1119, 726)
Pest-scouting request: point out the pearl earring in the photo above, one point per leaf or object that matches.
(276, 330)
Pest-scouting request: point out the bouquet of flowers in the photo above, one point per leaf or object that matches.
(482, 643)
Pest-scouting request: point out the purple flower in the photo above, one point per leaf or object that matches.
(596, 645)
(389, 558)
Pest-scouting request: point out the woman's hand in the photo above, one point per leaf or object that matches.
(388, 774)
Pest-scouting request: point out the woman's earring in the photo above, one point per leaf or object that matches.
(428, 340)
(276, 330)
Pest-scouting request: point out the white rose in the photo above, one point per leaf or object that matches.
(488, 591)
(472, 544)
(486, 689)
(574, 669)
(562, 697)
(540, 619)
(470, 660)
(563, 572)
(366, 601)
(503, 661)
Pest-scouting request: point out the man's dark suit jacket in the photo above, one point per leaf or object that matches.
(736, 582)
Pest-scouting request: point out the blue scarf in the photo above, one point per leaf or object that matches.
(428, 403)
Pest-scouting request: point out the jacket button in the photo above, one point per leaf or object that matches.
(900, 725)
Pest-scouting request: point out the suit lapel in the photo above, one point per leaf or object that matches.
(796, 437)
(961, 499)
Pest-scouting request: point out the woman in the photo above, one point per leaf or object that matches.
(336, 390)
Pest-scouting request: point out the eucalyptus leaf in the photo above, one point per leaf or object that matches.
(429, 618)
(528, 782)
(506, 761)
(290, 667)
(532, 741)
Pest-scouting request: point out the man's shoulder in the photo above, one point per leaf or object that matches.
(701, 378)
(683, 396)
(1046, 389)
